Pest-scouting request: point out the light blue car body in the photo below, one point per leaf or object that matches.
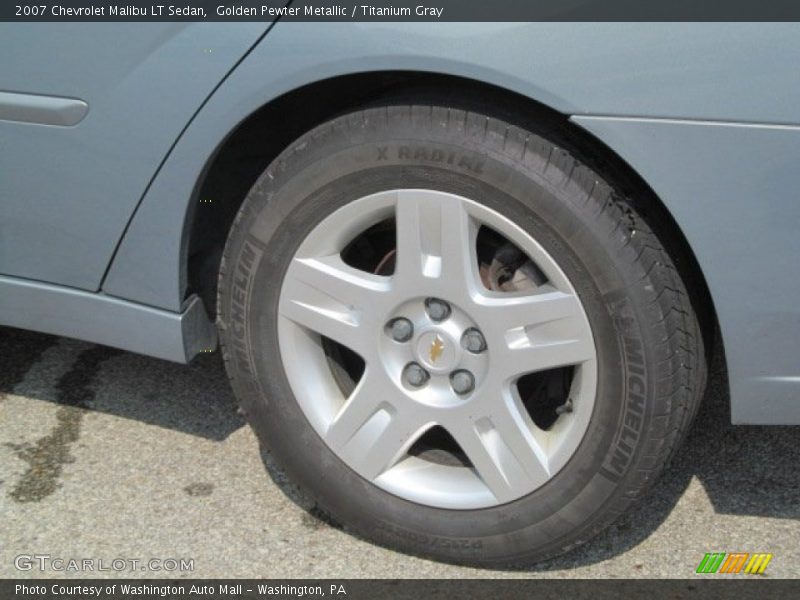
(106, 131)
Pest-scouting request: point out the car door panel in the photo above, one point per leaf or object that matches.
(67, 191)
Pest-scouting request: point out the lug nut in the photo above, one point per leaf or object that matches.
(438, 310)
(416, 375)
(474, 341)
(401, 329)
(463, 382)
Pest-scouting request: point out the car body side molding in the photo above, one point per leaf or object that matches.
(42, 110)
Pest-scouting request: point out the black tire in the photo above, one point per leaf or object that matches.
(650, 354)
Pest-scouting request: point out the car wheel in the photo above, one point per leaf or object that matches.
(461, 340)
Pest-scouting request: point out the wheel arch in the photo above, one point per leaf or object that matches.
(263, 134)
(173, 245)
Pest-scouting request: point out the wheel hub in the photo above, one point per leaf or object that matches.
(438, 357)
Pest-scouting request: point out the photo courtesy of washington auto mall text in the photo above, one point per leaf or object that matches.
(174, 589)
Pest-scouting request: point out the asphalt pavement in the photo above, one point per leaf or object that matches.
(109, 456)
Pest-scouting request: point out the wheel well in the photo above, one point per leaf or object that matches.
(257, 140)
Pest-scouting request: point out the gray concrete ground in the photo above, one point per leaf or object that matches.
(107, 455)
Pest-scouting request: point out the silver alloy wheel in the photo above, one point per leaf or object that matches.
(372, 428)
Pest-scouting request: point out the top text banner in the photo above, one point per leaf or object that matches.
(400, 10)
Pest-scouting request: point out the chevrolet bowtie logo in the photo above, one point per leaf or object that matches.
(437, 347)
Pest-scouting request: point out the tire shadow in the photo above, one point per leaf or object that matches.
(745, 470)
(195, 399)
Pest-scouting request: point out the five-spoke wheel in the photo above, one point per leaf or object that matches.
(439, 349)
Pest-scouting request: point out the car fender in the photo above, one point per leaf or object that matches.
(615, 80)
